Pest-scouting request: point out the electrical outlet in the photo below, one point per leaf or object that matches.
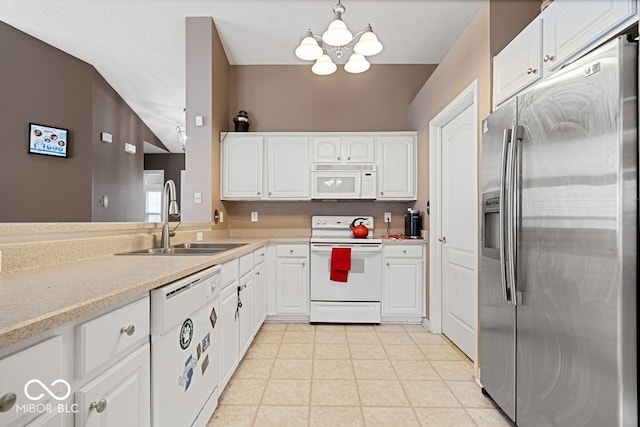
(197, 197)
(387, 217)
(198, 236)
(221, 216)
(254, 216)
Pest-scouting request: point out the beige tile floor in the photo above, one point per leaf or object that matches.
(353, 375)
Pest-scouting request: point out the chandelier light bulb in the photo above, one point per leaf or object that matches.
(368, 44)
(308, 49)
(337, 34)
(324, 66)
(357, 64)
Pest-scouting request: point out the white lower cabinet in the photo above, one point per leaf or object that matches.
(93, 371)
(229, 332)
(260, 296)
(120, 396)
(404, 283)
(246, 307)
(292, 279)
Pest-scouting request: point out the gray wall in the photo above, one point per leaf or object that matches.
(42, 84)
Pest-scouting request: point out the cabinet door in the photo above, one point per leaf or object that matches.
(121, 394)
(397, 171)
(246, 323)
(229, 333)
(242, 167)
(288, 174)
(574, 26)
(260, 297)
(326, 149)
(403, 284)
(519, 64)
(292, 286)
(358, 149)
(41, 362)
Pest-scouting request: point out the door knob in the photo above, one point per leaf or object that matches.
(442, 240)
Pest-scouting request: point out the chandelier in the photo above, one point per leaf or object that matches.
(338, 39)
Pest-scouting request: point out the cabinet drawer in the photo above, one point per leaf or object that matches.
(41, 362)
(109, 337)
(259, 256)
(403, 251)
(246, 263)
(296, 251)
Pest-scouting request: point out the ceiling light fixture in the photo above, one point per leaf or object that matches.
(338, 39)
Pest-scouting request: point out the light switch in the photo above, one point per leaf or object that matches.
(129, 148)
(254, 216)
(106, 137)
(199, 121)
(197, 197)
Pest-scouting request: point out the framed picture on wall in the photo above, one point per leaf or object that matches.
(48, 140)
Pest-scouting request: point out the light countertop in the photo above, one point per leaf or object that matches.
(35, 300)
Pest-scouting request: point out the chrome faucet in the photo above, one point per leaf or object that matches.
(169, 207)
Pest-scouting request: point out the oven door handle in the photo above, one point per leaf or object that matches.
(322, 247)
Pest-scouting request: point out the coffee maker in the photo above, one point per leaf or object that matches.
(412, 224)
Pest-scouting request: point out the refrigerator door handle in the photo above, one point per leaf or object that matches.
(512, 207)
(506, 138)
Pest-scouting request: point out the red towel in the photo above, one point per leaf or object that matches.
(340, 264)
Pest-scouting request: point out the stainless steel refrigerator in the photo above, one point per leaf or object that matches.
(558, 332)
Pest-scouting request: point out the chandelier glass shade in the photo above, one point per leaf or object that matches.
(339, 40)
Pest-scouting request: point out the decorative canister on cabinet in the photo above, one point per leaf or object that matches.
(241, 121)
(545, 4)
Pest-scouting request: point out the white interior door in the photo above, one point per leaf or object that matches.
(454, 222)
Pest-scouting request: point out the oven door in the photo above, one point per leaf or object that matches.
(364, 281)
(336, 185)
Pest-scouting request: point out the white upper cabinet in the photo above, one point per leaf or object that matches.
(343, 149)
(572, 27)
(519, 64)
(242, 167)
(358, 149)
(396, 168)
(287, 167)
(566, 30)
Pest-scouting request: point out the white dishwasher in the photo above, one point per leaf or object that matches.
(185, 350)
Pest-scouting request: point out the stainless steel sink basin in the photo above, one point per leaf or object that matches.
(214, 246)
(197, 248)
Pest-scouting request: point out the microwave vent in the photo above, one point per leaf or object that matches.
(351, 167)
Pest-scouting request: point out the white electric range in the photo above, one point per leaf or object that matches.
(358, 299)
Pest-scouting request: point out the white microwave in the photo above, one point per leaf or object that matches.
(329, 181)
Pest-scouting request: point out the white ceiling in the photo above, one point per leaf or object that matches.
(139, 45)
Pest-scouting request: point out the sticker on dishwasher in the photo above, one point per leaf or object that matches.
(199, 351)
(185, 379)
(213, 317)
(206, 341)
(186, 333)
(205, 364)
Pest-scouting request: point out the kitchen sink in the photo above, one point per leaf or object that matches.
(197, 248)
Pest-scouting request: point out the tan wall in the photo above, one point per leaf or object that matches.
(291, 98)
(495, 24)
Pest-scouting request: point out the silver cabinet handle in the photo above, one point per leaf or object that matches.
(257, 273)
(531, 70)
(129, 330)
(99, 406)
(547, 58)
(338, 157)
(7, 401)
(270, 193)
(382, 193)
(348, 158)
(290, 251)
(404, 251)
(258, 193)
(442, 240)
